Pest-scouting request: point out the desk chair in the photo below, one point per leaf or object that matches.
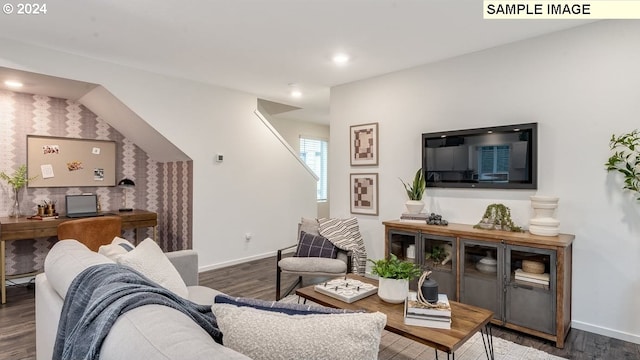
(309, 266)
(93, 232)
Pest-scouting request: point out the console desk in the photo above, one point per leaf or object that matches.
(12, 229)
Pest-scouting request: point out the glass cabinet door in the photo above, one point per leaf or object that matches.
(404, 245)
(439, 257)
(481, 275)
(531, 284)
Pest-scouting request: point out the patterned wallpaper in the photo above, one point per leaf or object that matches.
(165, 188)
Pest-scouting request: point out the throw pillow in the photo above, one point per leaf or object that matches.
(148, 259)
(264, 335)
(345, 234)
(310, 226)
(315, 246)
(279, 307)
(117, 248)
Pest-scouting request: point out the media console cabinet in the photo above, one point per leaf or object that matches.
(540, 308)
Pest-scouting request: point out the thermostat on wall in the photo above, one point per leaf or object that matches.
(219, 158)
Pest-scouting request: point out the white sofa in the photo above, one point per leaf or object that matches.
(147, 332)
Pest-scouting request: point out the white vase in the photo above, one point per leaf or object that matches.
(543, 223)
(393, 290)
(414, 206)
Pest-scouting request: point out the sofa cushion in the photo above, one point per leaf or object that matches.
(202, 295)
(117, 248)
(148, 259)
(159, 332)
(315, 246)
(67, 259)
(262, 334)
(280, 307)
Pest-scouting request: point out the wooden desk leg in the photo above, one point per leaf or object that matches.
(3, 277)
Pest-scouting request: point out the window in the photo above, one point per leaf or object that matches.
(493, 162)
(314, 153)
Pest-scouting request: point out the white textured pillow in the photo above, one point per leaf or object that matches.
(149, 259)
(114, 250)
(263, 335)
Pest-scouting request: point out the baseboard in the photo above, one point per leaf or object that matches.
(236, 261)
(616, 334)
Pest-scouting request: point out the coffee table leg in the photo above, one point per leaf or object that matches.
(488, 343)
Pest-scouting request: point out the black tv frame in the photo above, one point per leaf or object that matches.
(456, 134)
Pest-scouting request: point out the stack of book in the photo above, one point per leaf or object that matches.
(541, 279)
(416, 218)
(436, 315)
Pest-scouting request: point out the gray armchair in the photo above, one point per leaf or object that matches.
(304, 266)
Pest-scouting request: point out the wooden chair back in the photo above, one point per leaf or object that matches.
(93, 232)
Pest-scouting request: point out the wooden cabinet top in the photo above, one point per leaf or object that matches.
(468, 231)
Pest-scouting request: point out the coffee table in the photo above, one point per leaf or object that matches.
(466, 320)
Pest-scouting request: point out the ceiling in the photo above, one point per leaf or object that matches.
(263, 46)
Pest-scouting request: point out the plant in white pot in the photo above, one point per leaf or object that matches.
(394, 276)
(415, 191)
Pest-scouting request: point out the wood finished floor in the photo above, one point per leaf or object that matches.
(257, 279)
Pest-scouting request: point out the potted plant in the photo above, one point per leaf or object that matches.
(17, 181)
(626, 159)
(394, 276)
(415, 191)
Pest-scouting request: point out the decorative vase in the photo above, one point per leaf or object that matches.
(543, 222)
(393, 291)
(15, 209)
(414, 206)
(487, 264)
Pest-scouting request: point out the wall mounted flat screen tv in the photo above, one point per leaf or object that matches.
(499, 157)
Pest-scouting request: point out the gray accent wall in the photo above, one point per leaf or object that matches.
(165, 188)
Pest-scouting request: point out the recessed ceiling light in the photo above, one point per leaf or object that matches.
(13, 84)
(296, 93)
(340, 59)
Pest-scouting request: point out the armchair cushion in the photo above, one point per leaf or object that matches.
(316, 266)
(315, 246)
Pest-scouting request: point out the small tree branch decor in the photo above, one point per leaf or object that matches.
(626, 159)
(19, 178)
(498, 217)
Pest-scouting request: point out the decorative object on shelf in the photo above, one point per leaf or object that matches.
(411, 252)
(364, 194)
(543, 222)
(364, 144)
(415, 191)
(626, 159)
(440, 254)
(428, 289)
(533, 267)
(497, 217)
(126, 185)
(487, 264)
(395, 275)
(17, 180)
(436, 219)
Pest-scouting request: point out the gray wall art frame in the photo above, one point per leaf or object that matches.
(364, 144)
(364, 193)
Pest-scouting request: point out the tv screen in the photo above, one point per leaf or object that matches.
(499, 157)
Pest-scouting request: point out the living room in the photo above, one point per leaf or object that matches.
(577, 84)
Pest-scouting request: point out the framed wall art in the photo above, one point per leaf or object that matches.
(364, 193)
(364, 144)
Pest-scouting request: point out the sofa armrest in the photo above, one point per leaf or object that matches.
(186, 262)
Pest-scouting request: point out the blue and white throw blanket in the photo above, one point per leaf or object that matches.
(101, 293)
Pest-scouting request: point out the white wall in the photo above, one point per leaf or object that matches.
(581, 86)
(291, 131)
(231, 198)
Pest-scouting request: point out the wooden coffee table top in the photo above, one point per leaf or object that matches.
(466, 320)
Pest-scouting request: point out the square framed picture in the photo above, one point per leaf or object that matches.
(364, 144)
(364, 193)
